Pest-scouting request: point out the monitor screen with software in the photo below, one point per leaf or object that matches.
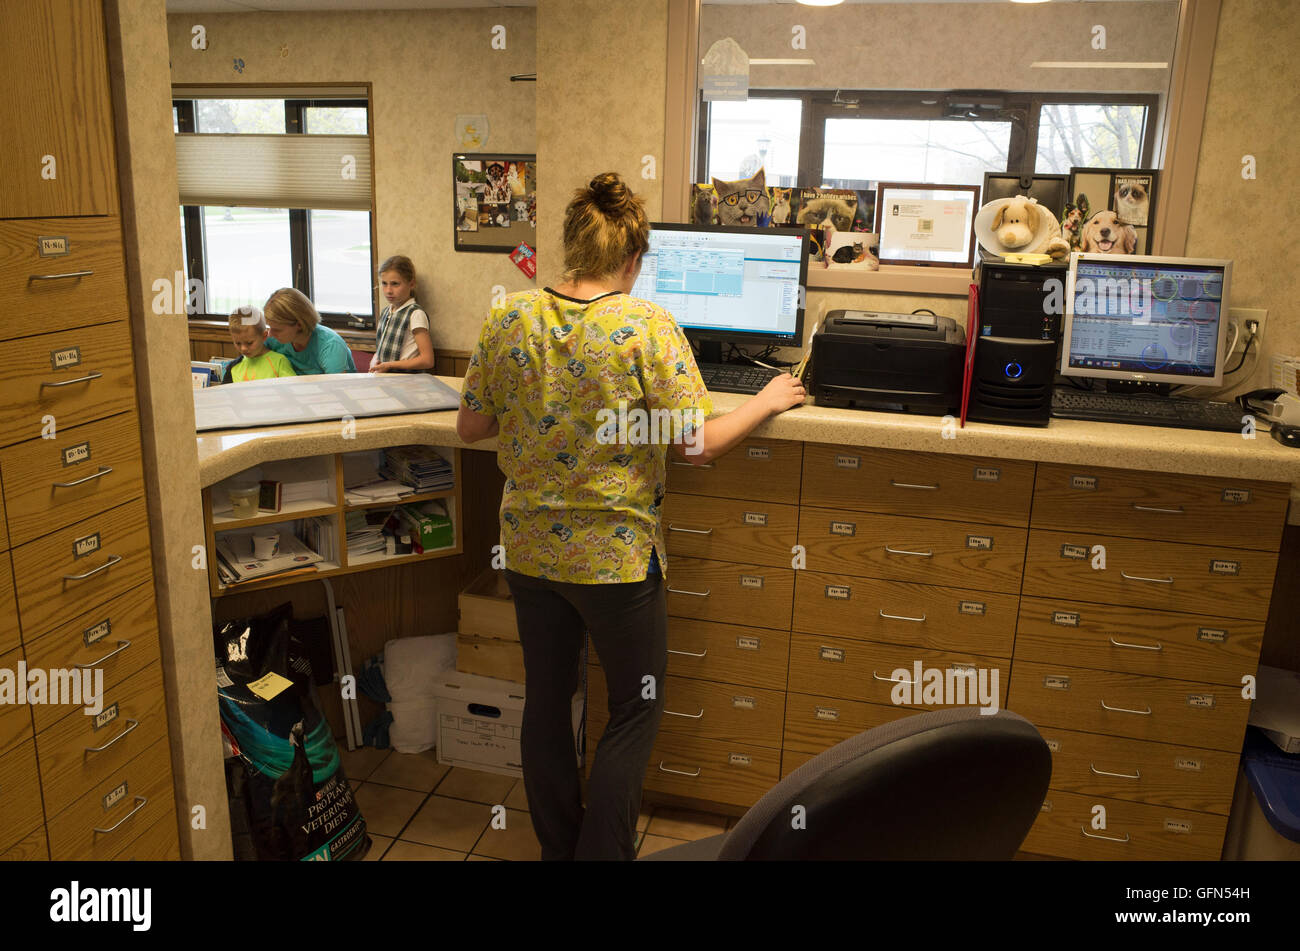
(742, 285)
(1146, 318)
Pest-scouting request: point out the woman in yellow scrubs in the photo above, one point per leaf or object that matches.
(586, 388)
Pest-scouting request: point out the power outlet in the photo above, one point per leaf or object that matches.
(1240, 316)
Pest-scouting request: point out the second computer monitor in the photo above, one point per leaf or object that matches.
(1146, 318)
(738, 285)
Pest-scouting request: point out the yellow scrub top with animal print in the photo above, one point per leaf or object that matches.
(588, 394)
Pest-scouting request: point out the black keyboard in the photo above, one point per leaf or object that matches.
(1178, 413)
(736, 377)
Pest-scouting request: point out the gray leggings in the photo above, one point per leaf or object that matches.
(628, 626)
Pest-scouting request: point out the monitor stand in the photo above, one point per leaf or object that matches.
(710, 351)
(1137, 388)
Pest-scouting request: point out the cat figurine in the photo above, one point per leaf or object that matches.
(743, 203)
(780, 206)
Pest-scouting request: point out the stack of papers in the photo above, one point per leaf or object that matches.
(383, 490)
(419, 467)
(320, 536)
(365, 532)
(235, 561)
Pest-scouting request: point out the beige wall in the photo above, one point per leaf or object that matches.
(426, 67)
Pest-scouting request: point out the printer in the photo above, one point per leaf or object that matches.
(909, 363)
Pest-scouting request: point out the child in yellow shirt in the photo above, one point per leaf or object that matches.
(248, 332)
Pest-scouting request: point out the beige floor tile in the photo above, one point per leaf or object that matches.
(420, 771)
(386, 808)
(481, 858)
(476, 786)
(656, 843)
(449, 823)
(403, 851)
(517, 799)
(361, 762)
(685, 824)
(515, 843)
(378, 845)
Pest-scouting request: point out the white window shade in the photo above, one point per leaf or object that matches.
(274, 171)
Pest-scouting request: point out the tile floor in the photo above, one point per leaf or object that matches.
(418, 810)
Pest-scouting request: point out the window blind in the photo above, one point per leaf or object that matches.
(274, 171)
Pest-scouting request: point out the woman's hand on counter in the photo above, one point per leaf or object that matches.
(784, 391)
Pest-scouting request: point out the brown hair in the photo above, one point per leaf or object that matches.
(290, 307)
(604, 225)
(249, 315)
(402, 265)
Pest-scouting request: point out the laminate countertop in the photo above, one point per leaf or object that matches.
(1146, 448)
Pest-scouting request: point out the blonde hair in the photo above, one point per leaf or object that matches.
(248, 316)
(604, 225)
(290, 307)
(402, 265)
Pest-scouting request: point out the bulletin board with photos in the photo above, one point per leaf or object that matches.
(1110, 210)
(495, 206)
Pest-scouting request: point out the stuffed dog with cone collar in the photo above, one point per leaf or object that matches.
(1020, 225)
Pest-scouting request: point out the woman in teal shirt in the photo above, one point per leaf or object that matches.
(296, 332)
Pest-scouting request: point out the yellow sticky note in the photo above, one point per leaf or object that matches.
(270, 686)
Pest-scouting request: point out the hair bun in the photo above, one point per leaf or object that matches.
(610, 194)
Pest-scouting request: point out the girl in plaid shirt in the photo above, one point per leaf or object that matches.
(402, 341)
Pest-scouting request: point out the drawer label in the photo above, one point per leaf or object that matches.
(1056, 683)
(1083, 482)
(85, 545)
(744, 703)
(114, 797)
(844, 528)
(987, 474)
(52, 247)
(1186, 762)
(839, 592)
(826, 713)
(1220, 566)
(980, 542)
(97, 633)
(748, 643)
(751, 581)
(67, 357)
(1235, 496)
(759, 452)
(976, 608)
(1212, 634)
(848, 462)
(1054, 745)
(739, 759)
(107, 716)
(1175, 826)
(1074, 551)
(1203, 700)
(75, 454)
(1066, 618)
(835, 654)
(755, 518)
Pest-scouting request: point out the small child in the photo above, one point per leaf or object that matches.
(248, 332)
(402, 340)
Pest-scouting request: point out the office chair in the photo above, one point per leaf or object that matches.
(944, 785)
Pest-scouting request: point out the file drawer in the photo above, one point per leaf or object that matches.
(1131, 640)
(1201, 510)
(33, 848)
(1181, 777)
(1209, 716)
(707, 710)
(861, 670)
(814, 724)
(36, 297)
(20, 794)
(1195, 579)
(922, 550)
(81, 751)
(9, 636)
(158, 844)
(893, 612)
(120, 637)
(763, 470)
(1134, 831)
(754, 595)
(105, 821)
(725, 653)
(15, 717)
(924, 484)
(73, 377)
(4, 522)
(713, 770)
(697, 526)
(49, 483)
(84, 565)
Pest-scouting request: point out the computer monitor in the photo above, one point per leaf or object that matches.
(721, 284)
(1146, 319)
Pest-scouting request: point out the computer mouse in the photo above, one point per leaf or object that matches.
(1286, 435)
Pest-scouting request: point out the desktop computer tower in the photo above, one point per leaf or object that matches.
(1011, 381)
(1021, 300)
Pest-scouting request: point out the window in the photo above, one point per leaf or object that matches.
(759, 133)
(242, 254)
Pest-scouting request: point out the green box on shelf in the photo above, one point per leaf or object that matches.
(430, 525)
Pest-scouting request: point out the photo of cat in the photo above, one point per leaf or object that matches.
(819, 207)
(744, 203)
(780, 206)
(704, 205)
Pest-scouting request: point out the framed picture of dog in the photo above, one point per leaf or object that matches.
(1110, 210)
(495, 201)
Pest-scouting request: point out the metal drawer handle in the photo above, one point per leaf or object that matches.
(112, 560)
(100, 749)
(707, 465)
(58, 277)
(892, 680)
(1101, 772)
(1130, 577)
(1143, 713)
(692, 531)
(1152, 508)
(689, 716)
(689, 653)
(121, 646)
(1108, 838)
(141, 804)
(1138, 647)
(900, 617)
(93, 375)
(677, 772)
(697, 594)
(909, 485)
(103, 471)
(900, 551)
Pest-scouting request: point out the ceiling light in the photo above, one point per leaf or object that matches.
(820, 3)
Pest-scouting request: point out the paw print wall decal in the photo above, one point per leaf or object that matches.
(284, 50)
(239, 65)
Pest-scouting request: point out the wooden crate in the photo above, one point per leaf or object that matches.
(487, 610)
(490, 657)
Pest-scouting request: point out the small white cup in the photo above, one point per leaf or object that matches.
(266, 542)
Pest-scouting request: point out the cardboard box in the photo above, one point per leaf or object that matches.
(429, 524)
(486, 608)
(492, 657)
